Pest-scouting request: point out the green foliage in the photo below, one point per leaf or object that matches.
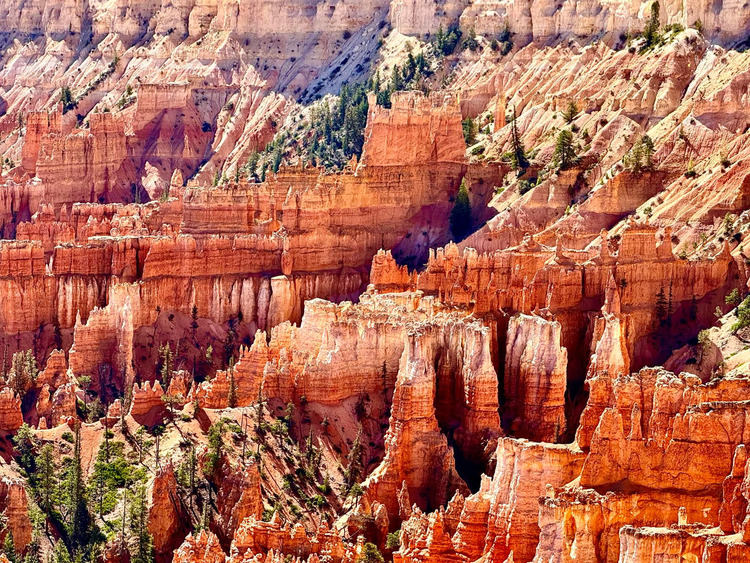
(112, 472)
(526, 185)
(79, 527)
(460, 217)
(9, 548)
(24, 442)
(698, 25)
(46, 479)
(144, 548)
(733, 298)
(640, 157)
(651, 33)
(519, 160)
(337, 132)
(564, 155)
(167, 361)
(355, 491)
(690, 172)
(743, 315)
(393, 541)
(127, 99)
(470, 41)
(355, 467)
(445, 41)
(370, 554)
(23, 372)
(215, 447)
(66, 98)
(60, 553)
(503, 41)
(570, 113)
(470, 131)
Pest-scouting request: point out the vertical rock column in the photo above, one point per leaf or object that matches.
(535, 378)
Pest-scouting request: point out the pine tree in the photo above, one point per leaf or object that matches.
(9, 547)
(66, 98)
(570, 113)
(165, 351)
(370, 554)
(60, 553)
(215, 448)
(194, 316)
(144, 549)
(79, 523)
(661, 305)
(354, 469)
(565, 154)
(232, 394)
(460, 217)
(252, 165)
(24, 443)
(469, 127)
(46, 477)
(651, 33)
(519, 160)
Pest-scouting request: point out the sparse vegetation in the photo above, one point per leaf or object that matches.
(460, 217)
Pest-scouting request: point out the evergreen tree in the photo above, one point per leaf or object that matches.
(24, 443)
(518, 158)
(370, 554)
(60, 553)
(165, 351)
(565, 154)
(66, 98)
(570, 113)
(144, 549)
(232, 393)
(215, 448)
(46, 478)
(661, 305)
(651, 33)
(469, 127)
(252, 165)
(9, 548)
(354, 469)
(23, 372)
(460, 217)
(79, 519)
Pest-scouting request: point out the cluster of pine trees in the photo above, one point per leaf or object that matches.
(64, 504)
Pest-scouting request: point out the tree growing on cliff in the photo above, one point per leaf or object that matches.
(144, 548)
(24, 370)
(518, 152)
(78, 519)
(469, 127)
(570, 113)
(165, 371)
(460, 217)
(46, 478)
(370, 554)
(651, 33)
(215, 448)
(67, 100)
(640, 157)
(354, 469)
(446, 41)
(661, 306)
(564, 155)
